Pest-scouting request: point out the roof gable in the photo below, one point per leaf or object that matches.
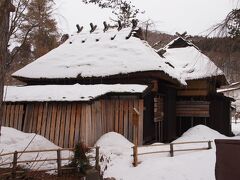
(189, 60)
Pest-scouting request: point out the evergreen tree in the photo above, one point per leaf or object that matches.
(43, 35)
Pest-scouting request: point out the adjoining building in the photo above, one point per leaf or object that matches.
(233, 91)
(198, 102)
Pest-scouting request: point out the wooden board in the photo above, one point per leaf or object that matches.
(62, 128)
(83, 124)
(16, 116)
(7, 116)
(141, 109)
(121, 117)
(196, 92)
(4, 115)
(20, 117)
(130, 124)
(77, 134)
(58, 124)
(11, 119)
(67, 124)
(192, 109)
(28, 118)
(72, 125)
(35, 117)
(88, 121)
(125, 118)
(53, 124)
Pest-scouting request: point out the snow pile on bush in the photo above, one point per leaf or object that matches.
(117, 161)
(114, 143)
(13, 140)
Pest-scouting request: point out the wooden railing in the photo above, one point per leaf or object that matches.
(171, 150)
(17, 154)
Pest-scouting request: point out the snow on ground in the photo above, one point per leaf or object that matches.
(12, 140)
(195, 165)
(236, 126)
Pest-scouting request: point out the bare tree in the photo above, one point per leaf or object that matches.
(5, 8)
(124, 11)
(230, 26)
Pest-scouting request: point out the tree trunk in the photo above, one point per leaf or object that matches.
(4, 29)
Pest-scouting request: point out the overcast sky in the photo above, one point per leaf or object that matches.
(194, 16)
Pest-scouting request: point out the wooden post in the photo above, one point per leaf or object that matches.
(135, 156)
(209, 145)
(14, 168)
(171, 150)
(59, 164)
(135, 120)
(97, 158)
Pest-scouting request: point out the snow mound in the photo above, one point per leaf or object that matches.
(113, 139)
(200, 133)
(13, 140)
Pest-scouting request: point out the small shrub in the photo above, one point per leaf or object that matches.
(80, 160)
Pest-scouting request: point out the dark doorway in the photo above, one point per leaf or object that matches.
(185, 123)
(159, 117)
(148, 124)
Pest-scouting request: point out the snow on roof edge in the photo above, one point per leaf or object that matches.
(76, 92)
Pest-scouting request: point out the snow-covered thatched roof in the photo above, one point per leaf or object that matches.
(77, 92)
(189, 60)
(98, 54)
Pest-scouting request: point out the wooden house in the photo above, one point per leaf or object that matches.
(198, 102)
(97, 59)
(90, 84)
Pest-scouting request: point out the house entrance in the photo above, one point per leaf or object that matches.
(159, 117)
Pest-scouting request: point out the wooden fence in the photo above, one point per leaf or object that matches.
(67, 123)
(170, 151)
(17, 154)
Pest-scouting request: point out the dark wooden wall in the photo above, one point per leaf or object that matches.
(168, 125)
(148, 123)
(67, 123)
(220, 119)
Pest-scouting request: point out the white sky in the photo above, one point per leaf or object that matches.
(194, 16)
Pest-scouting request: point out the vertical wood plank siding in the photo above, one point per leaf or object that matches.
(67, 123)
